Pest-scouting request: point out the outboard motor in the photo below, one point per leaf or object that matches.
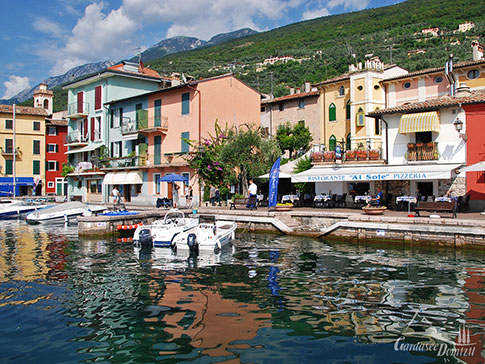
(192, 243)
(145, 237)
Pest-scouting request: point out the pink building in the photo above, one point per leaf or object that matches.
(189, 111)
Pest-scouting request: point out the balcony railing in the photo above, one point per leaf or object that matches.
(75, 109)
(146, 125)
(423, 152)
(349, 156)
(9, 151)
(122, 162)
(75, 137)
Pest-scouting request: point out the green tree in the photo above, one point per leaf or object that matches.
(248, 154)
(293, 138)
(302, 165)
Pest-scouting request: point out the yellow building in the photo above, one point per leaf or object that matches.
(24, 134)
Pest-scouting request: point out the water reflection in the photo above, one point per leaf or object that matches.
(265, 299)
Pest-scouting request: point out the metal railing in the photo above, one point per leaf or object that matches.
(422, 151)
(347, 156)
(148, 123)
(76, 137)
(75, 108)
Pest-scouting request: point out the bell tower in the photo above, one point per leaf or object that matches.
(43, 98)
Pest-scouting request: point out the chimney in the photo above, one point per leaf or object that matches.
(307, 86)
(477, 51)
(298, 90)
(462, 90)
(292, 90)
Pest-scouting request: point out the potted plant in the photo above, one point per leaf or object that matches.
(350, 155)
(411, 145)
(329, 156)
(361, 154)
(373, 154)
(316, 157)
(283, 206)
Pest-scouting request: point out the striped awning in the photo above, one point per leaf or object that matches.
(423, 121)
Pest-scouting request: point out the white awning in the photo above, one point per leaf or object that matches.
(87, 148)
(376, 173)
(282, 175)
(477, 167)
(123, 178)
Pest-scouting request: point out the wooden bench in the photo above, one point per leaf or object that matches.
(436, 207)
(240, 202)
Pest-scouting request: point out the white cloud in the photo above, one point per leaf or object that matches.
(349, 4)
(316, 13)
(15, 85)
(47, 26)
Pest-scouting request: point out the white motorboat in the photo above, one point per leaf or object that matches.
(208, 235)
(14, 208)
(63, 212)
(162, 232)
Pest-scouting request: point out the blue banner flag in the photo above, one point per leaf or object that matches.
(274, 176)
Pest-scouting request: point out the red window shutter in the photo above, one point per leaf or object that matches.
(85, 129)
(97, 98)
(80, 102)
(92, 129)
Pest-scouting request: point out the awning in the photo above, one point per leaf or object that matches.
(282, 175)
(19, 181)
(376, 173)
(423, 121)
(87, 148)
(477, 167)
(123, 178)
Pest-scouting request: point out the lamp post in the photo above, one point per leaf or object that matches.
(458, 124)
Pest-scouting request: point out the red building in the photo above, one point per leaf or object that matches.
(475, 130)
(55, 154)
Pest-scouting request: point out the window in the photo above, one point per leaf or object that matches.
(97, 98)
(50, 184)
(301, 103)
(157, 144)
(9, 124)
(341, 91)
(332, 112)
(424, 137)
(438, 79)
(360, 121)
(263, 108)
(158, 112)
(36, 167)
(473, 74)
(8, 166)
(52, 148)
(281, 106)
(156, 178)
(52, 165)
(347, 110)
(185, 146)
(349, 141)
(332, 143)
(111, 118)
(36, 125)
(46, 104)
(116, 149)
(36, 147)
(187, 178)
(8, 145)
(185, 103)
(80, 102)
(406, 85)
(97, 134)
(360, 88)
(376, 87)
(51, 130)
(378, 126)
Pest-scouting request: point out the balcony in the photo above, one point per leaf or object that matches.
(349, 156)
(153, 125)
(75, 138)
(422, 152)
(9, 152)
(124, 162)
(77, 110)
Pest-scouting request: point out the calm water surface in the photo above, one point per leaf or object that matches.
(266, 299)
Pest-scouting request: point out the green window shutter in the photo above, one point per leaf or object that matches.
(36, 167)
(332, 143)
(158, 113)
(347, 110)
(185, 103)
(185, 146)
(332, 112)
(8, 166)
(348, 142)
(157, 144)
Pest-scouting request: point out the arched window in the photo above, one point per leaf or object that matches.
(348, 142)
(347, 110)
(341, 91)
(332, 142)
(332, 112)
(46, 104)
(359, 118)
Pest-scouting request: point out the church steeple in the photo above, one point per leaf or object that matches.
(43, 98)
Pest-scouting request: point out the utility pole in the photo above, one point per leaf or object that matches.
(271, 80)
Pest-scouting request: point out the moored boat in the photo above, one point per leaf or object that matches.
(63, 212)
(13, 208)
(162, 232)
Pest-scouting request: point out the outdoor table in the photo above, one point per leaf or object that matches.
(322, 198)
(409, 199)
(290, 198)
(365, 199)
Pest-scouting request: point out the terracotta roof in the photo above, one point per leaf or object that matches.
(144, 71)
(345, 76)
(23, 110)
(473, 97)
(56, 122)
(435, 70)
(291, 97)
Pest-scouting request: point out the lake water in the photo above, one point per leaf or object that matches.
(265, 299)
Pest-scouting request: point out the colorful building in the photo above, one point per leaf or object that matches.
(55, 154)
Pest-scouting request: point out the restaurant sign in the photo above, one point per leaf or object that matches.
(356, 177)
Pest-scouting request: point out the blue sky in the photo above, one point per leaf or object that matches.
(40, 39)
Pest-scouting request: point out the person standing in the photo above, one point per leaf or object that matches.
(175, 195)
(212, 195)
(116, 196)
(217, 196)
(188, 196)
(253, 191)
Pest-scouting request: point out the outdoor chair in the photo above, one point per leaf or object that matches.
(341, 200)
(332, 202)
(463, 203)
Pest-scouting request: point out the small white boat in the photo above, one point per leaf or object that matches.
(14, 208)
(162, 232)
(63, 212)
(208, 235)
